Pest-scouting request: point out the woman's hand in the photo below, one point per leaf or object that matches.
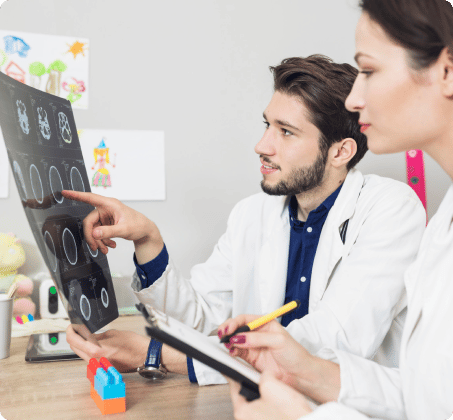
(113, 219)
(269, 347)
(272, 349)
(278, 401)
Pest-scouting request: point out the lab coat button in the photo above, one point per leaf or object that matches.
(309, 229)
(302, 279)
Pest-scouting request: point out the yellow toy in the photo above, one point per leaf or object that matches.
(12, 257)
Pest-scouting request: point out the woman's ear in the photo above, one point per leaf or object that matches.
(445, 63)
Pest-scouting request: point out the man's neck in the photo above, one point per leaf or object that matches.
(310, 200)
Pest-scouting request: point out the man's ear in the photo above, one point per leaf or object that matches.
(445, 67)
(343, 151)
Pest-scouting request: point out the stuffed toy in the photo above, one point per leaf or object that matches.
(12, 257)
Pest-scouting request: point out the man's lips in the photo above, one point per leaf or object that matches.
(266, 168)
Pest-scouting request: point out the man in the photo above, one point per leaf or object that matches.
(321, 232)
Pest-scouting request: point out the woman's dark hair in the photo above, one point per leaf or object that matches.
(323, 86)
(423, 27)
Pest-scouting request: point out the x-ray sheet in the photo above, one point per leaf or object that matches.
(45, 157)
(4, 170)
(52, 63)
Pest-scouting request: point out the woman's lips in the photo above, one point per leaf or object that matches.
(363, 127)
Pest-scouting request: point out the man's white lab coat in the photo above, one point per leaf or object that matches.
(356, 288)
(422, 389)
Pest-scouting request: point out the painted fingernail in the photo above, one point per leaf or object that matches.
(231, 350)
(238, 339)
(219, 333)
(225, 332)
(228, 345)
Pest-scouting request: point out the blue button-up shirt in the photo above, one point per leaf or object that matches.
(303, 243)
(304, 238)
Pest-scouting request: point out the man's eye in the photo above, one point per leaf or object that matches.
(286, 132)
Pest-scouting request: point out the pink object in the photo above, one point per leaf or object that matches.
(416, 174)
(19, 320)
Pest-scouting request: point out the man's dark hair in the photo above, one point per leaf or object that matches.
(323, 87)
(423, 27)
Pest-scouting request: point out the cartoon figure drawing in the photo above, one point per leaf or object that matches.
(101, 177)
(75, 89)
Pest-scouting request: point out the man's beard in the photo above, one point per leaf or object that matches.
(300, 180)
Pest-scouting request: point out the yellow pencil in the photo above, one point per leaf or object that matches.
(253, 325)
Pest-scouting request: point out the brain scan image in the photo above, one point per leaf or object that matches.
(20, 181)
(51, 252)
(43, 123)
(56, 185)
(94, 254)
(65, 129)
(70, 246)
(23, 118)
(76, 180)
(36, 184)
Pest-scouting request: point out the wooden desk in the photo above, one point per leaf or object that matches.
(61, 391)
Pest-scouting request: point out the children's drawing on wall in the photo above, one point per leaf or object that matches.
(127, 165)
(101, 177)
(54, 64)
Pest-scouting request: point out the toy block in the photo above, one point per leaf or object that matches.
(109, 384)
(92, 367)
(111, 406)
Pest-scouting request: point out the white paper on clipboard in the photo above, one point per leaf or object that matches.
(200, 342)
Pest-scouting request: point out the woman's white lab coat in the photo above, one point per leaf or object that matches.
(357, 288)
(422, 389)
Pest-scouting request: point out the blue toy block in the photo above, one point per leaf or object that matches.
(109, 384)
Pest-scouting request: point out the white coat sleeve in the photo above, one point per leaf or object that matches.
(335, 411)
(202, 301)
(366, 290)
(366, 386)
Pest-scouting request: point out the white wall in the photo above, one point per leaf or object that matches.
(199, 71)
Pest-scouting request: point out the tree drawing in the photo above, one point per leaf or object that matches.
(36, 70)
(3, 58)
(53, 82)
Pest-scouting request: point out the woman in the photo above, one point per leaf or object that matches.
(404, 94)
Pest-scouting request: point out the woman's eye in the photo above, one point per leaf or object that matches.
(367, 73)
(266, 124)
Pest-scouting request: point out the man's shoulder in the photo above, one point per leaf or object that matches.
(261, 199)
(259, 205)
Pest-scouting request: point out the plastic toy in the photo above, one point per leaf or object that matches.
(12, 257)
(107, 387)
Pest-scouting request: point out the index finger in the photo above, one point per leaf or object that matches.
(95, 200)
(232, 324)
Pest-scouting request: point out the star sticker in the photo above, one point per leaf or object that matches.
(76, 48)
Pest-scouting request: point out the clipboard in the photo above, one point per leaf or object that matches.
(199, 346)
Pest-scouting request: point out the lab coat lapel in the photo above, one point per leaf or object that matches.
(330, 247)
(273, 259)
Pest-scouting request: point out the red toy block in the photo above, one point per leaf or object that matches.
(92, 367)
(112, 406)
(105, 363)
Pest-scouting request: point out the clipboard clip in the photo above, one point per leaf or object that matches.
(248, 392)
